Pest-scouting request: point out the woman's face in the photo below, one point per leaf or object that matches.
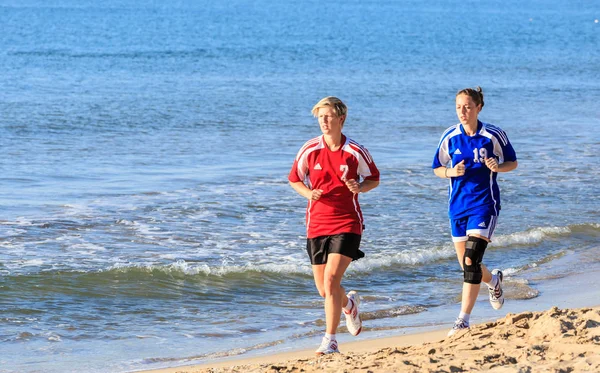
(329, 122)
(467, 110)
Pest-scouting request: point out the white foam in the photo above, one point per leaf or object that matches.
(76, 210)
(21, 221)
(405, 257)
(147, 229)
(86, 248)
(507, 272)
(124, 222)
(31, 263)
(532, 236)
(54, 338)
(183, 267)
(14, 232)
(290, 264)
(296, 263)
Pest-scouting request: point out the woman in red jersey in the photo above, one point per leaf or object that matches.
(330, 171)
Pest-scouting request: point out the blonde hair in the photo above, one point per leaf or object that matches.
(338, 106)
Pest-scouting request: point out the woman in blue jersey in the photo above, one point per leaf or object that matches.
(470, 154)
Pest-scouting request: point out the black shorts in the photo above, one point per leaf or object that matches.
(346, 244)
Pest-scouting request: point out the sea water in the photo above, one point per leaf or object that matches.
(145, 216)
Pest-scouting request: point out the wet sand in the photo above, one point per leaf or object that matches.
(555, 340)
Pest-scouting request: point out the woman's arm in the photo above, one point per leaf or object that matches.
(356, 187)
(446, 172)
(305, 191)
(493, 165)
(367, 185)
(508, 166)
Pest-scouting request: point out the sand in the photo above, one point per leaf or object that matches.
(556, 340)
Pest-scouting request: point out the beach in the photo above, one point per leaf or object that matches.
(531, 336)
(146, 219)
(556, 340)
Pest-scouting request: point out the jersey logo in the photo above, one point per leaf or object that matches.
(457, 151)
(482, 225)
(318, 166)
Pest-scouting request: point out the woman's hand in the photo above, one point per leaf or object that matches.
(492, 164)
(316, 194)
(457, 170)
(353, 185)
(306, 192)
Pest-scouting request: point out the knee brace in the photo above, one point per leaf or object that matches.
(474, 250)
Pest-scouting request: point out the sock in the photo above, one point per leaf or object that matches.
(464, 316)
(492, 284)
(348, 307)
(331, 337)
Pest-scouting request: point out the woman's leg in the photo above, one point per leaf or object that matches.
(470, 291)
(319, 275)
(328, 279)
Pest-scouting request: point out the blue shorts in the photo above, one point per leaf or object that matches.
(483, 225)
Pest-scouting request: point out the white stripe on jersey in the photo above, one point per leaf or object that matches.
(497, 135)
(444, 154)
(308, 208)
(360, 217)
(498, 151)
(497, 132)
(492, 192)
(364, 151)
(447, 131)
(493, 226)
(309, 147)
(361, 154)
(306, 145)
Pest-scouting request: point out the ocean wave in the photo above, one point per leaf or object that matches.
(288, 266)
(519, 289)
(532, 236)
(380, 314)
(409, 256)
(535, 264)
(281, 262)
(183, 268)
(540, 234)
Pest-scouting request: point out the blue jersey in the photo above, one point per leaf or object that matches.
(476, 192)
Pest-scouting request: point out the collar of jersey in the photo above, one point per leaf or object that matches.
(324, 144)
(479, 128)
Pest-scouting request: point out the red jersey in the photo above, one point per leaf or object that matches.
(337, 211)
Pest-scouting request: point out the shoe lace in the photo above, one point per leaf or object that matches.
(351, 308)
(460, 324)
(496, 292)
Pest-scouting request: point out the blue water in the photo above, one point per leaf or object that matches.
(145, 216)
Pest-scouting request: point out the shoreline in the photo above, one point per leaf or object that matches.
(554, 297)
(361, 346)
(553, 340)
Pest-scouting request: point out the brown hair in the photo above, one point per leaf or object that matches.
(338, 106)
(476, 94)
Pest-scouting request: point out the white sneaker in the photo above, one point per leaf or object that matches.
(353, 322)
(496, 294)
(327, 346)
(459, 324)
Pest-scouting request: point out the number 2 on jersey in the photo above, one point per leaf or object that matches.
(344, 169)
(479, 155)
